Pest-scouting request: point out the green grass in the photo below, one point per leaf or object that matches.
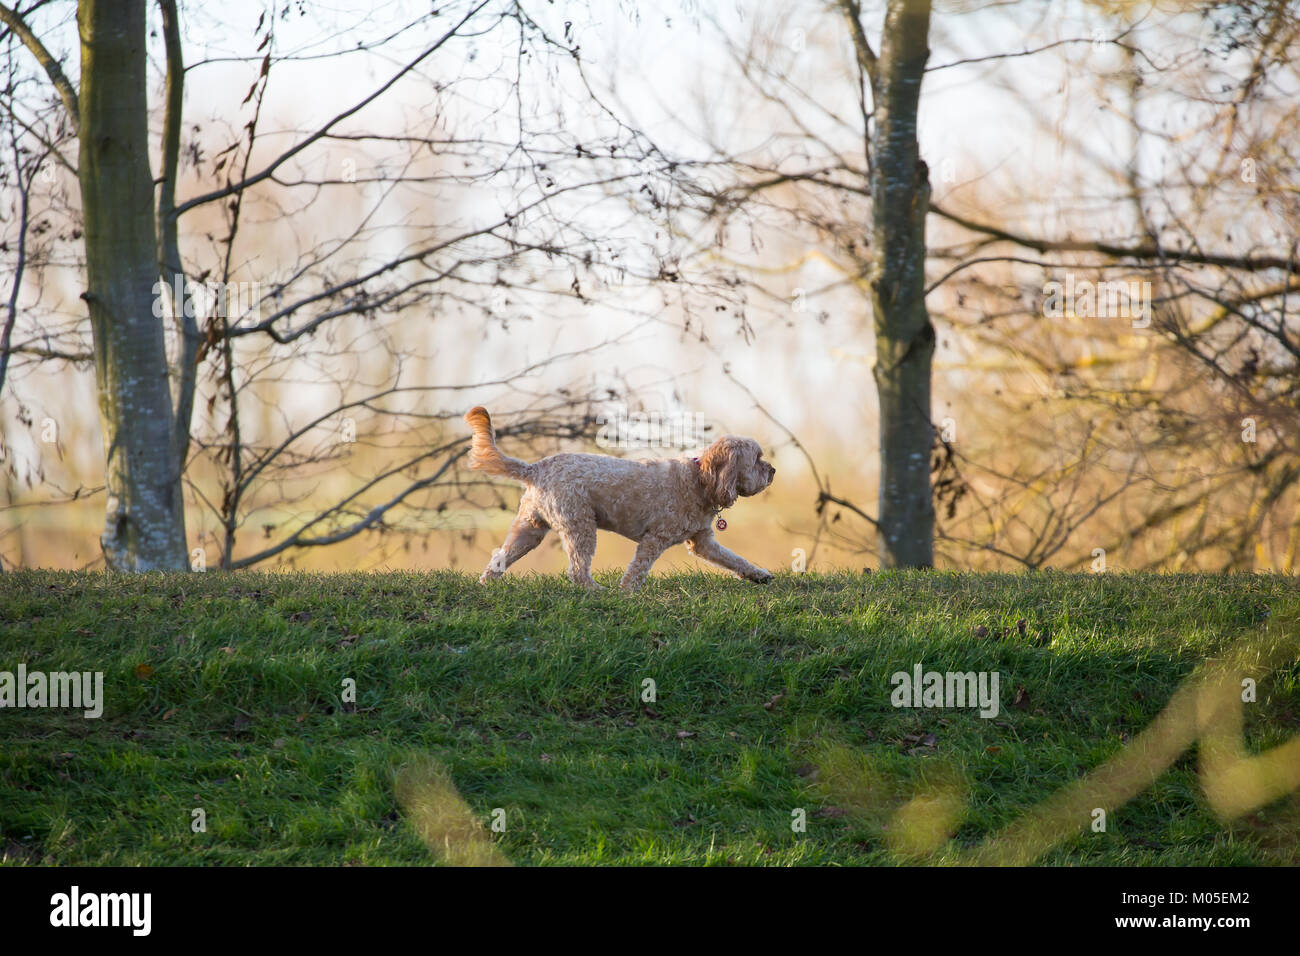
(223, 693)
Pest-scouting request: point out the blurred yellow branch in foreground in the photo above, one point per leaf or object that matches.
(442, 819)
(1206, 709)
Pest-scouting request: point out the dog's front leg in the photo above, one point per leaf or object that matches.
(578, 535)
(705, 545)
(647, 553)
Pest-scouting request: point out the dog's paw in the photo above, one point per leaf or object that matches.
(760, 576)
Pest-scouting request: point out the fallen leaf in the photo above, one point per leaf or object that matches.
(1021, 701)
(683, 734)
(169, 714)
(143, 671)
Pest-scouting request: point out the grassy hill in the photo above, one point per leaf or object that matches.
(523, 703)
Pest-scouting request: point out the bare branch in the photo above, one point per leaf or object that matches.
(51, 66)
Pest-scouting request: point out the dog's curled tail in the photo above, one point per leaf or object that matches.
(484, 454)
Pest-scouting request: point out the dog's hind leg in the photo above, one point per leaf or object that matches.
(526, 533)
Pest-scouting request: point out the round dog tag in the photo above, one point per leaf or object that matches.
(722, 524)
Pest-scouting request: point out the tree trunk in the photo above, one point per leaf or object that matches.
(145, 525)
(900, 197)
(170, 266)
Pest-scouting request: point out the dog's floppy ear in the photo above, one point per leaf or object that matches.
(720, 467)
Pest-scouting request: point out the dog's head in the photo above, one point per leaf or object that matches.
(734, 467)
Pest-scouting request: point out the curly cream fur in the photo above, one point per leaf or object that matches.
(656, 503)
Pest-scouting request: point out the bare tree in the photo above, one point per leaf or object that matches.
(900, 203)
(144, 527)
(828, 172)
(1175, 425)
(353, 256)
(1082, 436)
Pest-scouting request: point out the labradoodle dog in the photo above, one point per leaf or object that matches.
(655, 503)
